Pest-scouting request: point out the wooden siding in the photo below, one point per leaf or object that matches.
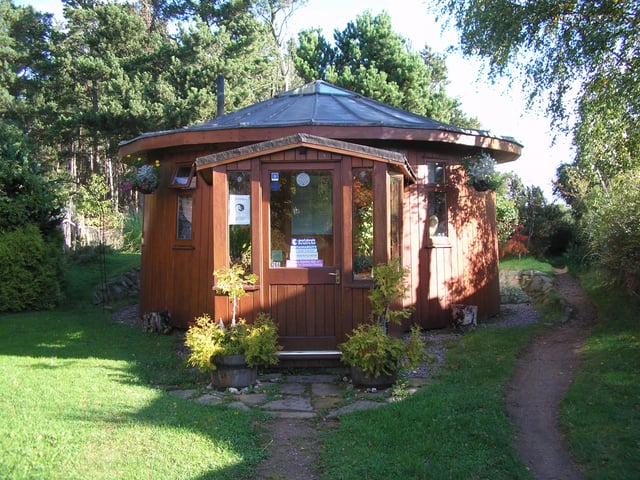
(177, 275)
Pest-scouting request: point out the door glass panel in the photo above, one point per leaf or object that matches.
(301, 218)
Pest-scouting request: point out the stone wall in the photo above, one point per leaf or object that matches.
(124, 286)
(522, 286)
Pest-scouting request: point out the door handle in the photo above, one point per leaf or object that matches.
(337, 275)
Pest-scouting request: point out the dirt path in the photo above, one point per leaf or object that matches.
(298, 458)
(541, 379)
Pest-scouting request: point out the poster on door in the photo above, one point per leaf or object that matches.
(239, 209)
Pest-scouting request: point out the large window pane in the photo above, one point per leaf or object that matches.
(301, 206)
(240, 218)
(362, 223)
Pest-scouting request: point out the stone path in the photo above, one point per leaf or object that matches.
(326, 395)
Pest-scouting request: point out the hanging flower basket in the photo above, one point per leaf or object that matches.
(146, 179)
(481, 171)
(481, 185)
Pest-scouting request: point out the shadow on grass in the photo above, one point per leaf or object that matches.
(115, 361)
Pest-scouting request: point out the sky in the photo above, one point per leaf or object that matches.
(499, 107)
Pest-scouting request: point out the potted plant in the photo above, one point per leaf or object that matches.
(481, 171)
(375, 357)
(144, 179)
(232, 353)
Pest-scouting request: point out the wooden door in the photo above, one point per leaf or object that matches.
(302, 253)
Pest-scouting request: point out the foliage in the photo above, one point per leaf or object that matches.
(31, 270)
(372, 59)
(506, 215)
(115, 69)
(583, 56)
(370, 349)
(29, 192)
(481, 171)
(389, 288)
(232, 281)
(614, 234)
(516, 245)
(132, 232)
(207, 340)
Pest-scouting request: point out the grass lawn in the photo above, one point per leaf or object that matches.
(455, 428)
(77, 401)
(601, 412)
(526, 263)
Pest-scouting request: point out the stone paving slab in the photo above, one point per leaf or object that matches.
(325, 403)
(239, 406)
(252, 398)
(318, 378)
(296, 415)
(296, 404)
(328, 389)
(292, 388)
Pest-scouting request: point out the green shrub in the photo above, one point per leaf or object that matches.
(615, 230)
(31, 270)
(132, 232)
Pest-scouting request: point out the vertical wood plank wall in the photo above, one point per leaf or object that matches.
(177, 275)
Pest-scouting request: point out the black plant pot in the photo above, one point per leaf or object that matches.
(362, 379)
(233, 371)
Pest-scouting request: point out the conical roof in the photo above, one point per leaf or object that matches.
(321, 104)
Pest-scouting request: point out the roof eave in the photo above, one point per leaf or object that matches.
(503, 149)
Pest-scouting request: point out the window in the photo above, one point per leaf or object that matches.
(362, 227)
(395, 213)
(301, 218)
(239, 218)
(184, 218)
(436, 173)
(183, 177)
(437, 207)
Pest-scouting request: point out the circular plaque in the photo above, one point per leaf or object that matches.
(303, 179)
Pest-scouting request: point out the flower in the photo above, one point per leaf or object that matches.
(146, 179)
(480, 169)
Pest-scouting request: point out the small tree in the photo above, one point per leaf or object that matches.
(390, 288)
(231, 281)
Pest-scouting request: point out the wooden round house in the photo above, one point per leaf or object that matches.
(309, 190)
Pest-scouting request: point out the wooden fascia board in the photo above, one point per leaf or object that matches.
(504, 150)
(403, 166)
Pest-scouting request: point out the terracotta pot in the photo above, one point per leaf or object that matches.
(362, 379)
(233, 371)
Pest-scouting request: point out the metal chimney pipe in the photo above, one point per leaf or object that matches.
(220, 92)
